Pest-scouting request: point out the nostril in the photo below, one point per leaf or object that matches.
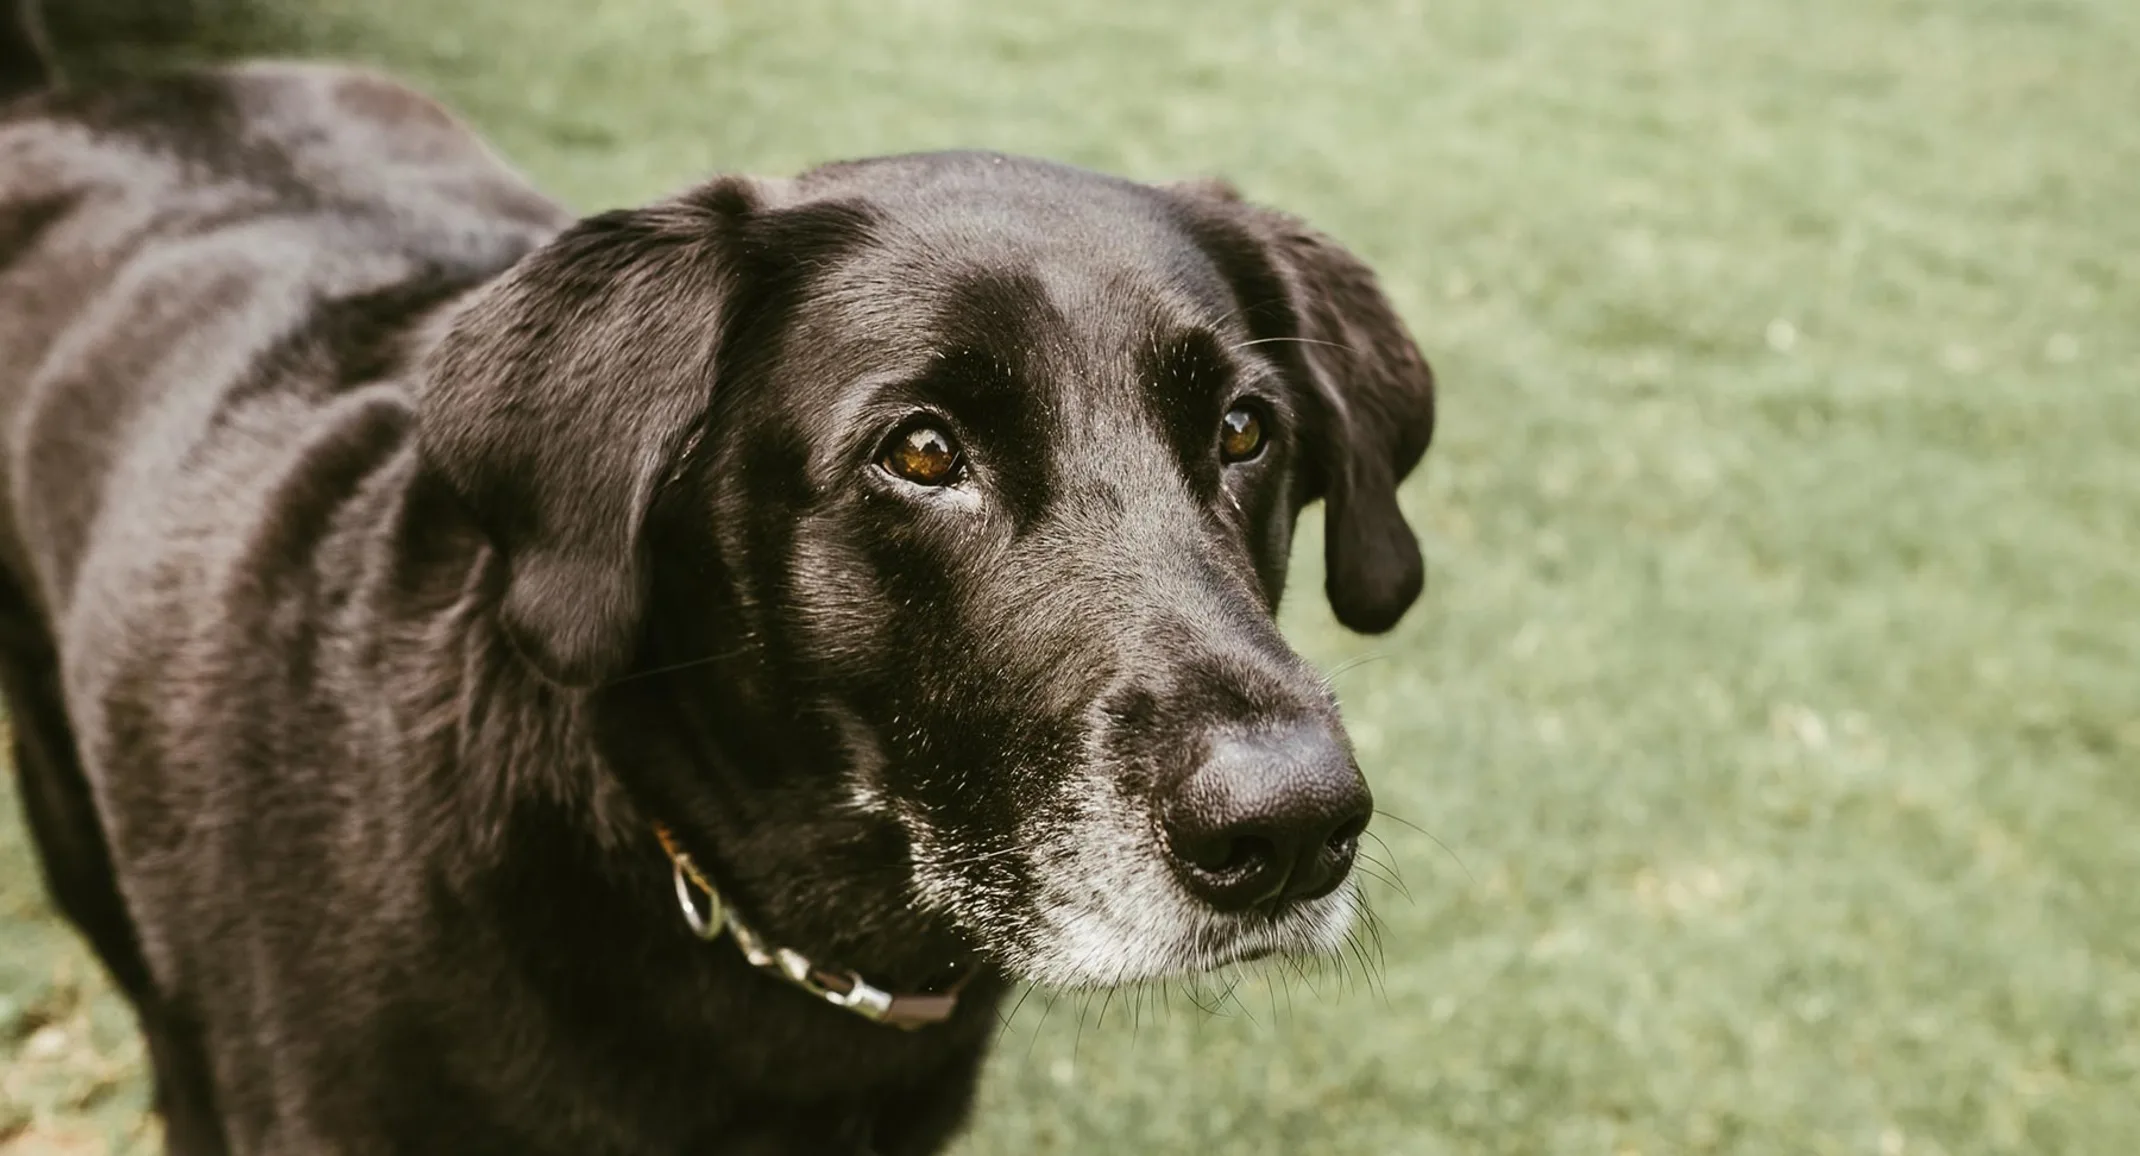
(1347, 834)
(1237, 854)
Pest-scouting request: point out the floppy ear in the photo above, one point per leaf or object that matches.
(1325, 318)
(562, 397)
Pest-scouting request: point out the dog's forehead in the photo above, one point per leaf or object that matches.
(1064, 307)
(942, 226)
(975, 190)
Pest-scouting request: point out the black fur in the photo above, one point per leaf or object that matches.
(409, 549)
(24, 62)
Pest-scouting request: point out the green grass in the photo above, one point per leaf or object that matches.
(1778, 683)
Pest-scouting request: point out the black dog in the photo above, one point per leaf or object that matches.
(422, 612)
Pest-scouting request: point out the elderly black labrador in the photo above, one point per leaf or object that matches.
(491, 683)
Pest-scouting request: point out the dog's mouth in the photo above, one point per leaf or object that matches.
(1107, 908)
(1106, 945)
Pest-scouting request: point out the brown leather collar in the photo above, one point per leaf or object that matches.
(840, 988)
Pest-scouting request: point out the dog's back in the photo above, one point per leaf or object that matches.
(203, 280)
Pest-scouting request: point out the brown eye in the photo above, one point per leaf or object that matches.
(923, 455)
(1241, 434)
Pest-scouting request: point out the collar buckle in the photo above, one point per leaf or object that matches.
(707, 926)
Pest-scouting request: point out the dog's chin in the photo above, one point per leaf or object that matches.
(1106, 943)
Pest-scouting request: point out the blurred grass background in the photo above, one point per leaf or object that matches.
(1777, 691)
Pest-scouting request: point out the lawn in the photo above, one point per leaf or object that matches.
(1767, 744)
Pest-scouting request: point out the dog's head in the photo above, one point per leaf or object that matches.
(944, 503)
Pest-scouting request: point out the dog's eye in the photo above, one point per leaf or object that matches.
(923, 455)
(1241, 434)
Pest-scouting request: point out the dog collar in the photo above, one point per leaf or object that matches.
(840, 988)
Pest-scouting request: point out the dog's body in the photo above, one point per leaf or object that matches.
(381, 563)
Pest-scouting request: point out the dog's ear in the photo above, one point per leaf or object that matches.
(1323, 316)
(560, 400)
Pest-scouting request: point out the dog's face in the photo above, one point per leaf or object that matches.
(953, 496)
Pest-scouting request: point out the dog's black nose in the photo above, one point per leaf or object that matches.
(1269, 818)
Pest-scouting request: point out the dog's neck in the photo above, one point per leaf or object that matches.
(549, 815)
(833, 887)
(614, 761)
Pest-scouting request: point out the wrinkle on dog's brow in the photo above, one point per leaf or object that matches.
(996, 370)
(1000, 310)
